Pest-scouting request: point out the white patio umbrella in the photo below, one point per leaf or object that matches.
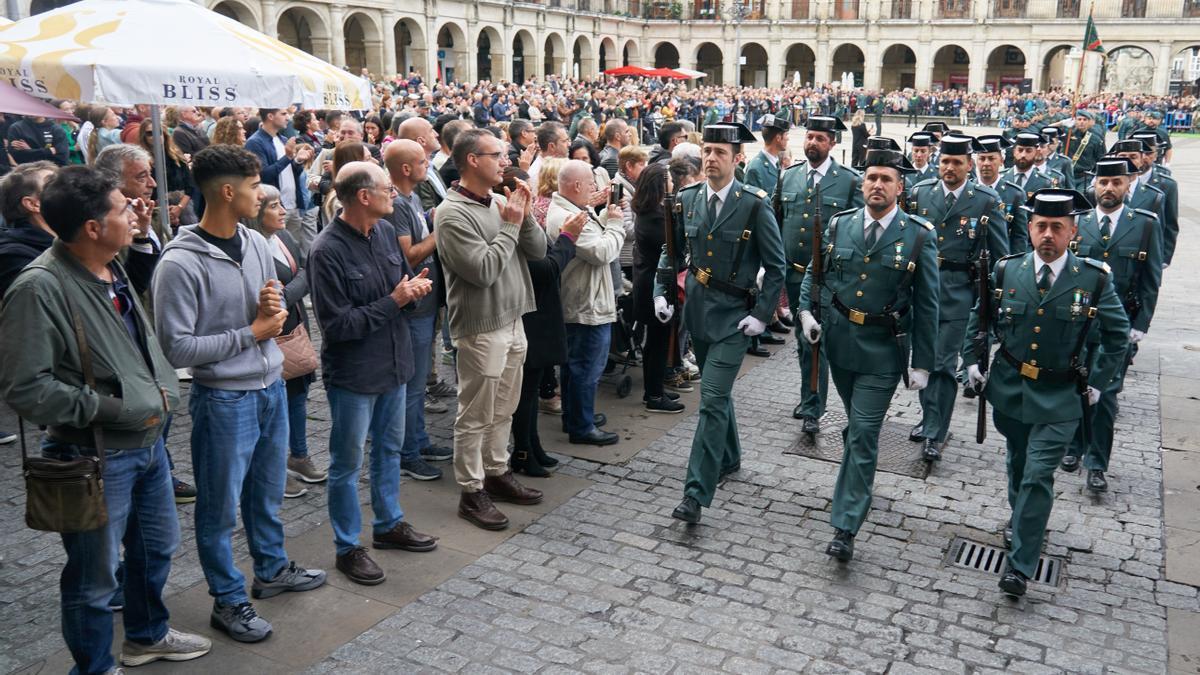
(693, 74)
(125, 52)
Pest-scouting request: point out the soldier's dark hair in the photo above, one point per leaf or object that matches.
(770, 133)
(217, 162)
(75, 195)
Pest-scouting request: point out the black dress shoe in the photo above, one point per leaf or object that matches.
(842, 546)
(1070, 463)
(917, 433)
(930, 451)
(599, 419)
(1096, 481)
(756, 349)
(777, 326)
(787, 320)
(797, 411)
(969, 391)
(596, 437)
(1008, 535)
(728, 470)
(810, 425)
(770, 339)
(688, 511)
(1013, 583)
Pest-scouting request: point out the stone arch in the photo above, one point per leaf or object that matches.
(1005, 68)
(554, 55)
(666, 55)
(304, 29)
(489, 54)
(1185, 71)
(583, 58)
(609, 58)
(800, 59)
(1127, 68)
(1054, 67)
(631, 55)
(452, 61)
(237, 11)
(899, 64)
(951, 68)
(754, 73)
(524, 56)
(361, 38)
(711, 61)
(411, 51)
(848, 58)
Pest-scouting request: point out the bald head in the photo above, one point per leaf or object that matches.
(575, 182)
(406, 162)
(355, 177)
(419, 129)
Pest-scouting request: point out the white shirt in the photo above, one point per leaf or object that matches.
(946, 192)
(534, 169)
(771, 159)
(1115, 216)
(885, 221)
(435, 179)
(1056, 267)
(721, 195)
(287, 179)
(1021, 178)
(1133, 186)
(821, 170)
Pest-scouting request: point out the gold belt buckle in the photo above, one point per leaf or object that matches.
(702, 276)
(1029, 371)
(798, 267)
(858, 317)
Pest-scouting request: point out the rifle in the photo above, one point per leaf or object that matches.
(980, 339)
(816, 266)
(671, 207)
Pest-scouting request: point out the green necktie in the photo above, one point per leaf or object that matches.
(1105, 228)
(873, 234)
(950, 199)
(713, 204)
(812, 180)
(1043, 283)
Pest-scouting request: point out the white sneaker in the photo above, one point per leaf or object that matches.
(175, 646)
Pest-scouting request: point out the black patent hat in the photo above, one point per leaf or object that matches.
(1057, 203)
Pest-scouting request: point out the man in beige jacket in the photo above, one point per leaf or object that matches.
(589, 305)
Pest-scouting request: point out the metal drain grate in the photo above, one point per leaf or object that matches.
(973, 555)
(896, 453)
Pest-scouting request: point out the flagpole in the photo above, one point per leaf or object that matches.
(1079, 78)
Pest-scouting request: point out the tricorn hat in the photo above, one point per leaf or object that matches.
(735, 133)
(957, 145)
(775, 123)
(992, 143)
(890, 158)
(921, 139)
(1129, 145)
(1115, 166)
(1057, 203)
(938, 128)
(825, 123)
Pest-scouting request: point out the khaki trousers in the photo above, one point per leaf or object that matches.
(489, 388)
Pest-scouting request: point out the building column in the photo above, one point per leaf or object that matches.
(337, 33)
(923, 73)
(389, 44)
(823, 65)
(978, 67)
(270, 19)
(776, 63)
(1162, 68)
(502, 60)
(872, 66)
(430, 67)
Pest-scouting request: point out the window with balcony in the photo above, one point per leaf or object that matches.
(902, 9)
(800, 10)
(1133, 9)
(953, 9)
(1068, 9)
(845, 10)
(583, 5)
(1009, 9)
(708, 10)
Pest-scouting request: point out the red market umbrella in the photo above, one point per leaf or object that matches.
(667, 72)
(624, 71)
(16, 102)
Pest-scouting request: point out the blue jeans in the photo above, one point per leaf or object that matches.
(415, 439)
(239, 456)
(297, 405)
(587, 353)
(141, 514)
(353, 416)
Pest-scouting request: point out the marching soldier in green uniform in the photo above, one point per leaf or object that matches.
(1141, 194)
(817, 188)
(1045, 303)
(967, 217)
(1153, 122)
(1083, 147)
(1023, 174)
(1131, 122)
(728, 232)
(1020, 123)
(763, 171)
(879, 289)
(1159, 176)
(1128, 240)
(922, 149)
(1055, 160)
(989, 163)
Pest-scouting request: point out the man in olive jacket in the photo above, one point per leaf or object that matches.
(128, 395)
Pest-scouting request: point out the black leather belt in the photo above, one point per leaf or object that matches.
(1032, 372)
(864, 319)
(956, 265)
(706, 279)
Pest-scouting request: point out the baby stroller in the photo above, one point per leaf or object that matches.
(625, 349)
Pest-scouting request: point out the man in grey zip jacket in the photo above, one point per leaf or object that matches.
(218, 307)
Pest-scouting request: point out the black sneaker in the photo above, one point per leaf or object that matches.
(240, 622)
(7, 437)
(437, 453)
(184, 493)
(418, 469)
(663, 405)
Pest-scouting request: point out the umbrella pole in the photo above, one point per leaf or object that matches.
(160, 174)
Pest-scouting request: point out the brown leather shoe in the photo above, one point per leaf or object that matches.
(505, 488)
(359, 568)
(477, 507)
(403, 536)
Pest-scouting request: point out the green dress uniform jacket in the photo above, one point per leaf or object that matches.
(1037, 411)
(1063, 166)
(1083, 149)
(1161, 179)
(1037, 181)
(1127, 126)
(762, 174)
(911, 179)
(840, 189)
(866, 360)
(746, 223)
(963, 229)
(1016, 218)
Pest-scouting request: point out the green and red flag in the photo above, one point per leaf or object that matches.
(1091, 39)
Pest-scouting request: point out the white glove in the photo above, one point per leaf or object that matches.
(810, 328)
(662, 311)
(917, 379)
(751, 326)
(1135, 335)
(1093, 395)
(975, 377)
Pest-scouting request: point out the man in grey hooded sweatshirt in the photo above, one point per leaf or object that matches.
(218, 307)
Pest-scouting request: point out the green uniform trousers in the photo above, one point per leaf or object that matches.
(715, 447)
(1104, 416)
(1034, 451)
(937, 399)
(812, 404)
(866, 397)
